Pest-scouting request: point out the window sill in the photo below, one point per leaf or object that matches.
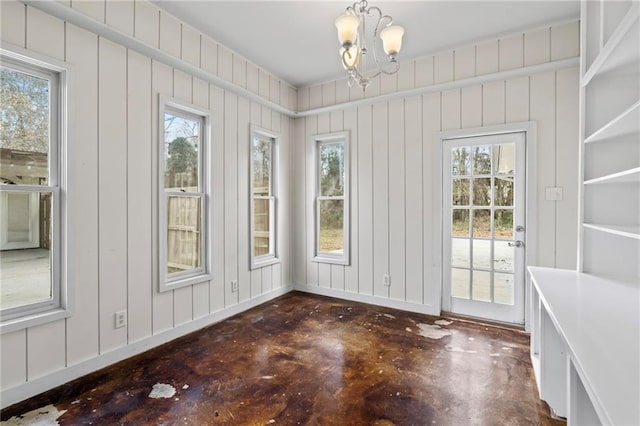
(331, 260)
(261, 263)
(33, 320)
(184, 282)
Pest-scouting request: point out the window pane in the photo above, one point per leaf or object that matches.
(460, 252)
(482, 160)
(503, 224)
(482, 254)
(460, 223)
(331, 238)
(503, 191)
(482, 192)
(504, 158)
(262, 226)
(460, 283)
(181, 146)
(332, 169)
(24, 128)
(503, 256)
(482, 223)
(503, 288)
(460, 192)
(262, 166)
(25, 239)
(482, 286)
(460, 160)
(184, 229)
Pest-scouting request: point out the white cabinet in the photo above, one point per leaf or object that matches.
(610, 120)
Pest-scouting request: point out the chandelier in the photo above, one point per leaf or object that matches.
(352, 33)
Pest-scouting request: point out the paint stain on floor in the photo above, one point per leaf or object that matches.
(306, 359)
(44, 416)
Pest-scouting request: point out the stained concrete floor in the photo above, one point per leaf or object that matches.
(305, 359)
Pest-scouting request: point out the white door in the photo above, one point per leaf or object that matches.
(20, 223)
(483, 226)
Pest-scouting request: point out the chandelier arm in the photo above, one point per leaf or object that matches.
(395, 70)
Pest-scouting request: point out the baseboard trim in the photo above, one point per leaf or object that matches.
(371, 300)
(32, 388)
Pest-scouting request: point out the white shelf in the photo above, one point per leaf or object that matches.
(598, 320)
(621, 49)
(625, 176)
(623, 231)
(624, 124)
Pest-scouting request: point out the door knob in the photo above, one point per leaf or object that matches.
(517, 243)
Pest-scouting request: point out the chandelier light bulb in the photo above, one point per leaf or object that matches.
(347, 26)
(392, 39)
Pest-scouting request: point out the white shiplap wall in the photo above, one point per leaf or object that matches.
(393, 153)
(112, 196)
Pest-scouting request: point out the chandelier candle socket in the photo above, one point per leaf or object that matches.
(352, 36)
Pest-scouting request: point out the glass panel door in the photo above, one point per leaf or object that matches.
(483, 219)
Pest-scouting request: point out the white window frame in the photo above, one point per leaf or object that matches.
(318, 256)
(60, 75)
(168, 281)
(271, 257)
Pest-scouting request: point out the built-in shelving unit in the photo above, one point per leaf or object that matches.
(585, 324)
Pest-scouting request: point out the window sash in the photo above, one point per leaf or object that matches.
(271, 257)
(172, 280)
(318, 255)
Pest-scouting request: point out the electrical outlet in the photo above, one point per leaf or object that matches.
(386, 280)
(121, 319)
(234, 286)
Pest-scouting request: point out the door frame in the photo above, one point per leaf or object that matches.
(529, 128)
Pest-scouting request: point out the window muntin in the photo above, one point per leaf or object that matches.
(183, 196)
(263, 214)
(332, 201)
(30, 213)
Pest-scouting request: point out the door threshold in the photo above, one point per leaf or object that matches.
(484, 321)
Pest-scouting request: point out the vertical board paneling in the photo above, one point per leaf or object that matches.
(13, 351)
(465, 62)
(45, 349)
(209, 56)
(82, 327)
(91, 8)
(139, 205)
(424, 72)
(487, 58)
(285, 220)
(120, 15)
(397, 196)
(511, 52)
(451, 109)
(543, 112)
(351, 272)
(225, 63)
(218, 289)
(190, 46)
(230, 195)
(112, 196)
(147, 23)
(311, 129)
(45, 34)
(430, 129)
(443, 67)
(12, 22)
(315, 96)
(567, 147)
(406, 76)
(565, 41)
(162, 303)
(329, 93)
(239, 71)
(471, 107)
(274, 89)
(380, 197)
(300, 248)
(537, 47)
(388, 83)
(253, 78)
(492, 103)
(244, 152)
(365, 201)
(264, 84)
(517, 100)
(413, 200)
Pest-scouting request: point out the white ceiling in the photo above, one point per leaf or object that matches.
(297, 41)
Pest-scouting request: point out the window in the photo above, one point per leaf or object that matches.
(183, 195)
(332, 199)
(32, 116)
(263, 211)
